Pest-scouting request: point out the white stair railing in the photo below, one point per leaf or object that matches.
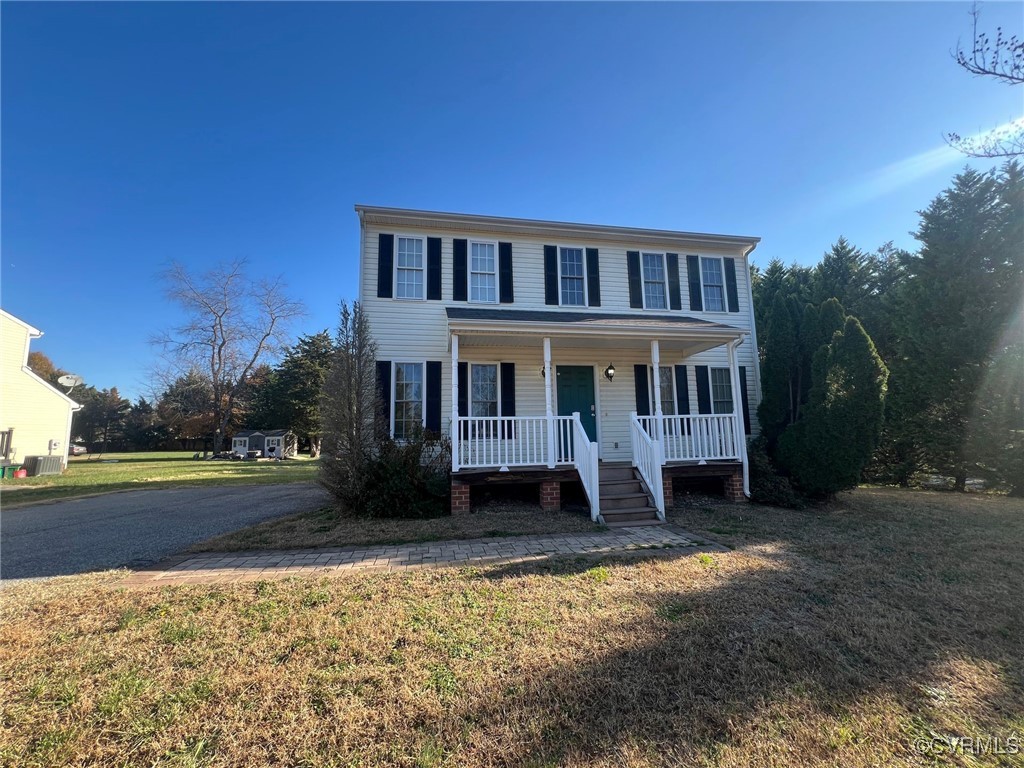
(585, 453)
(648, 460)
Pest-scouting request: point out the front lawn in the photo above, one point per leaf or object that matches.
(329, 528)
(864, 634)
(135, 471)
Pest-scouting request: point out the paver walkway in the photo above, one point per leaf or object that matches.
(211, 567)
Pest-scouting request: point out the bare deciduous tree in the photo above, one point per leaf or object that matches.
(231, 323)
(1003, 60)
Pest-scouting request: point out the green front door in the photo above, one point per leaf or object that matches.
(576, 394)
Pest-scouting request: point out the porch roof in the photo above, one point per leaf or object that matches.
(523, 327)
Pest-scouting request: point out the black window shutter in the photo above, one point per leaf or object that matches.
(508, 389)
(703, 388)
(636, 288)
(433, 421)
(384, 389)
(505, 295)
(693, 277)
(463, 389)
(682, 390)
(459, 270)
(385, 265)
(643, 397)
(732, 295)
(551, 274)
(593, 278)
(746, 402)
(675, 301)
(434, 268)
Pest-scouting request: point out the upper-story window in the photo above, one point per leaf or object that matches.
(655, 289)
(721, 390)
(409, 268)
(713, 281)
(571, 277)
(483, 275)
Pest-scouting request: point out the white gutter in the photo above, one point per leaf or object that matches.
(540, 227)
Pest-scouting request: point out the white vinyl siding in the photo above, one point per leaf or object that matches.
(713, 282)
(409, 268)
(721, 390)
(483, 273)
(655, 289)
(572, 280)
(418, 330)
(408, 399)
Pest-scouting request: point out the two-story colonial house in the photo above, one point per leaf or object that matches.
(615, 356)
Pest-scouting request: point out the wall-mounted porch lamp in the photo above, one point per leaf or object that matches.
(609, 372)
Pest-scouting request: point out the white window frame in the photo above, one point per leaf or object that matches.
(469, 272)
(711, 386)
(469, 383)
(423, 269)
(650, 385)
(703, 285)
(586, 288)
(394, 385)
(664, 282)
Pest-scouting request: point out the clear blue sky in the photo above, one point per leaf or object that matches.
(133, 134)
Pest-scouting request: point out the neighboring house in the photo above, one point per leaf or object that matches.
(283, 442)
(34, 416)
(542, 342)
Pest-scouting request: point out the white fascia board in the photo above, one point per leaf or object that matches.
(556, 229)
(564, 329)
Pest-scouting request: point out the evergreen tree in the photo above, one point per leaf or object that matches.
(350, 408)
(827, 449)
(775, 412)
(291, 397)
(962, 291)
(841, 274)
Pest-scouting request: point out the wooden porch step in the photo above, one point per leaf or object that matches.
(632, 523)
(616, 501)
(629, 513)
(613, 487)
(612, 472)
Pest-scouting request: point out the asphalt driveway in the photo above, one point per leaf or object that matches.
(137, 527)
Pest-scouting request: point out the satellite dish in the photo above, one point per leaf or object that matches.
(70, 380)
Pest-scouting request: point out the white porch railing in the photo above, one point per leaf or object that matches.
(703, 437)
(522, 441)
(507, 441)
(647, 459)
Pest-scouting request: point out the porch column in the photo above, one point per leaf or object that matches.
(548, 412)
(656, 364)
(455, 402)
(737, 412)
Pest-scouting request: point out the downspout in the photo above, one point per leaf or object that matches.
(753, 328)
(741, 436)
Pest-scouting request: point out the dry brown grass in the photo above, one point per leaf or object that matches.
(832, 637)
(329, 528)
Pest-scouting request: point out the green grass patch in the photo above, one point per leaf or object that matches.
(88, 475)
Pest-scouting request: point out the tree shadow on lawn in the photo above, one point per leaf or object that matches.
(866, 617)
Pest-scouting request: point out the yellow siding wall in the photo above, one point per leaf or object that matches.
(36, 411)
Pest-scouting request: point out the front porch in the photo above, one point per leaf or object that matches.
(608, 432)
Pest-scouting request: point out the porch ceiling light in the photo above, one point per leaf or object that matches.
(609, 372)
